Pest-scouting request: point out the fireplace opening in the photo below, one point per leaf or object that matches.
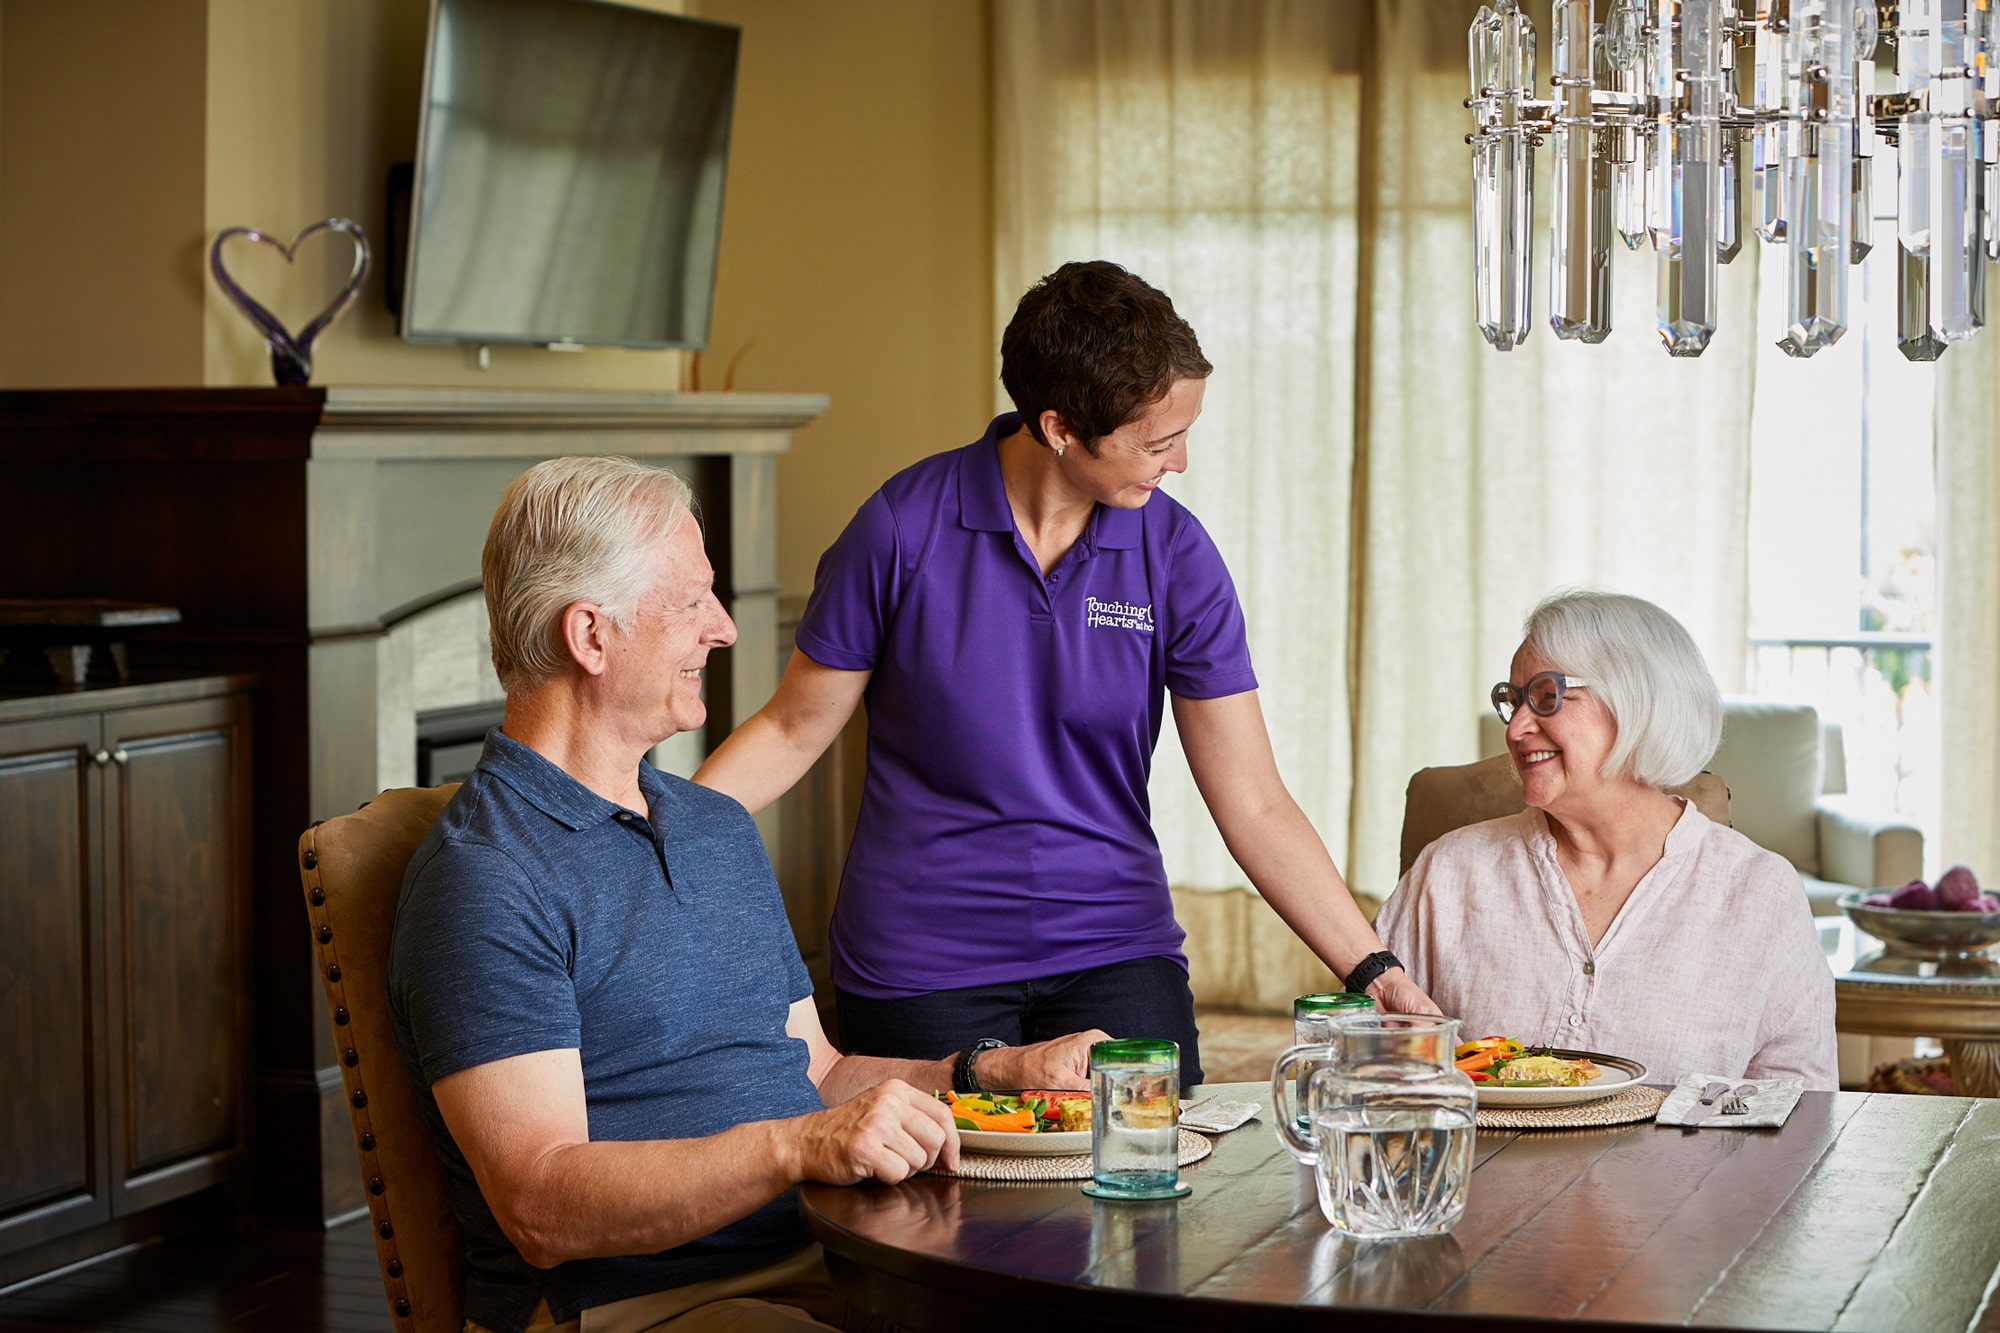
(449, 741)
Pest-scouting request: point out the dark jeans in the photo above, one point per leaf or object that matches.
(1147, 997)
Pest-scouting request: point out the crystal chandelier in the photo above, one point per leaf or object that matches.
(1689, 123)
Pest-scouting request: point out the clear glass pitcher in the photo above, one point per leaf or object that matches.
(1389, 1125)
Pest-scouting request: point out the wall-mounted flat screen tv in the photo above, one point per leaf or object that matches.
(570, 162)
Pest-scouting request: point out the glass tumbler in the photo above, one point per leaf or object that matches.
(1391, 1128)
(1135, 1120)
(1314, 1017)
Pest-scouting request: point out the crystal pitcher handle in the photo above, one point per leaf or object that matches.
(1285, 1116)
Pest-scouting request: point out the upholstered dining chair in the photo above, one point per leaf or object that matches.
(1442, 799)
(353, 873)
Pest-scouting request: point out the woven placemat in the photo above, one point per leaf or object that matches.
(1075, 1166)
(1628, 1107)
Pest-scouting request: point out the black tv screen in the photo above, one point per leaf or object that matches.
(570, 162)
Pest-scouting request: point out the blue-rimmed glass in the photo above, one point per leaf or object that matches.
(1543, 694)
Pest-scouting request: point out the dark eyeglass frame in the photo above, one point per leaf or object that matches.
(1507, 697)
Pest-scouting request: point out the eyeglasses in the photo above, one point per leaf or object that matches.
(1543, 694)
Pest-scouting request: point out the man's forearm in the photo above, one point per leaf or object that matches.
(597, 1199)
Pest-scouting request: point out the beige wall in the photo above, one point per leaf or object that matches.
(857, 241)
(100, 192)
(131, 131)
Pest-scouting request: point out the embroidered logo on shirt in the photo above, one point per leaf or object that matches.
(1118, 615)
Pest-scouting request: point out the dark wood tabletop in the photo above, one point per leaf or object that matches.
(1865, 1212)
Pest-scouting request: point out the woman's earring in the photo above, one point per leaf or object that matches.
(1058, 451)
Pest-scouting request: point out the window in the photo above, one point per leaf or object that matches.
(1843, 594)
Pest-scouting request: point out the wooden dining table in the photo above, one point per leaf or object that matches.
(1870, 1212)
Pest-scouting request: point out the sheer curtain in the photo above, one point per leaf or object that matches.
(1391, 494)
(1968, 613)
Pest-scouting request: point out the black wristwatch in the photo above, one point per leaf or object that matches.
(1369, 968)
(963, 1076)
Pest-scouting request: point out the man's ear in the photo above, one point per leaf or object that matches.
(587, 631)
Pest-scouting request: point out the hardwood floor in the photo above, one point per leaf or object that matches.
(328, 1282)
(257, 1282)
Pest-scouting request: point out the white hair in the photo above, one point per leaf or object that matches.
(571, 530)
(1644, 667)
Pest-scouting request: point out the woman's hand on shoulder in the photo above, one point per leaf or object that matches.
(1395, 993)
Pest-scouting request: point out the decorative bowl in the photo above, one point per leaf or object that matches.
(1926, 934)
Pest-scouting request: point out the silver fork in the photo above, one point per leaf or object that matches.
(1733, 1103)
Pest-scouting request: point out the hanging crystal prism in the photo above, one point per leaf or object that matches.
(1819, 183)
(1914, 338)
(1957, 249)
(1579, 242)
(1501, 46)
(1615, 56)
(1767, 159)
(1861, 193)
(1735, 180)
(1689, 54)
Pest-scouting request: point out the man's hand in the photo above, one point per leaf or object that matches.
(887, 1133)
(1394, 993)
(1062, 1063)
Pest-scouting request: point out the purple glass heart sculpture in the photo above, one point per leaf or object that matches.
(291, 354)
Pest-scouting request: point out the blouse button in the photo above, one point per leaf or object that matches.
(1589, 969)
(1576, 1020)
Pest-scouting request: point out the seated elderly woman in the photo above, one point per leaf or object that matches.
(1609, 916)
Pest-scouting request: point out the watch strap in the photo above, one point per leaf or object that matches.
(1369, 968)
(964, 1078)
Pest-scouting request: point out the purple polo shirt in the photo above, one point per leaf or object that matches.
(1005, 831)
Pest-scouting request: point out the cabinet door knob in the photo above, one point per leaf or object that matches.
(119, 756)
(101, 758)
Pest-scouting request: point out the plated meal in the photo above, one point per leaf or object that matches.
(1036, 1123)
(1507, 1072)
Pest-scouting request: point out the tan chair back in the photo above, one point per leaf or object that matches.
(353, 871)
(1442, 799)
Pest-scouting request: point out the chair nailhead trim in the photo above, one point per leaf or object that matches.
(392, 1264)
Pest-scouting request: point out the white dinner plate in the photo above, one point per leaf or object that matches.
(1617, 1074)
(1057, 1144)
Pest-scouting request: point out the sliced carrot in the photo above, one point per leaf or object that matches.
(1477, 1060)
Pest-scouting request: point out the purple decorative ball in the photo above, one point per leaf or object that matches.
(1957, 889)
(1916, 896)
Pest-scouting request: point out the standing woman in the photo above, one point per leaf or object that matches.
(1016, 613)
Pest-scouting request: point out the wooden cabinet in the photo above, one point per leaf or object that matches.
(124, 969)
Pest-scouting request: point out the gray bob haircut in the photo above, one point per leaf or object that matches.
(1648, 673)
(571, 530)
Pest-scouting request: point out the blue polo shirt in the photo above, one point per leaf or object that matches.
(1005, 831)
(539, 916)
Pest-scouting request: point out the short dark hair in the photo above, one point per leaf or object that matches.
(1097, 345)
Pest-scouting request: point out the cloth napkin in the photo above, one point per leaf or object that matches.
(1770, 1101)
(1213, 1116)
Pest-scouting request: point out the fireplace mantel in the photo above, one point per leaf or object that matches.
(295, 529)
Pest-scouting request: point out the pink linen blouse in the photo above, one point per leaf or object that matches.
(1712, 965)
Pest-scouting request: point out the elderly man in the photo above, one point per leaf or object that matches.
(592, 981)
